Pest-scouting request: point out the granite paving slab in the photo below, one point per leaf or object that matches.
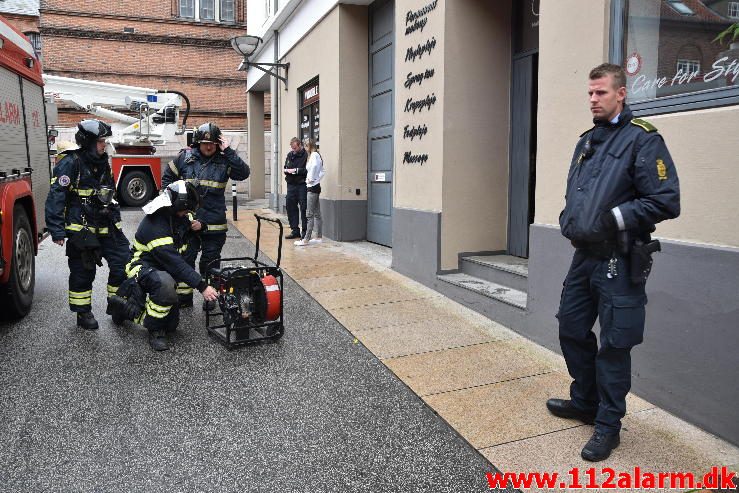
(507, 411)
(469, 366)
(348, 298)
(401, 312)
(425, 336)
(348, 281)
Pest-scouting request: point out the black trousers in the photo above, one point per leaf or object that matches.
(601, 377)
(116, 252)
(297, 196)
(210, 245)
(162, 308)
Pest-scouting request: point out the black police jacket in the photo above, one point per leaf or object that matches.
(73, 203)
(159, 244)
(210, 176)
(622, 169)
(296, 160)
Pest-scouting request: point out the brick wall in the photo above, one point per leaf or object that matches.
(86, 39)
(153, 9)
(23, 23)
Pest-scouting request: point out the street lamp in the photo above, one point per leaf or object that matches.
(246, 46)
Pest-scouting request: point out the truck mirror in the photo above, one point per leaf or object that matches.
(170, 114)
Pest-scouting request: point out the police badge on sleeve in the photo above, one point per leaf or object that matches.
(64, 181)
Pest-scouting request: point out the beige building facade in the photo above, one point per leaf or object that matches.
(447, 130)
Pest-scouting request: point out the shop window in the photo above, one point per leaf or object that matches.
(672, 59)
(208, 10)
(733, 12)
(309, 119)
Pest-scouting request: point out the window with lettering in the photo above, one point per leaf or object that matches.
(671, 53)
(309, 124)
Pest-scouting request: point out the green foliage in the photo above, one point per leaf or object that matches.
(732, 30)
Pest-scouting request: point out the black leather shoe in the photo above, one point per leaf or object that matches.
(293, 235)
(209, 306)
(564, 409)
(158, 340)
(599, 446)
(87, 321)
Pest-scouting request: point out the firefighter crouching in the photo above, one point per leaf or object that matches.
(81, 207)
(208, 165)
(149, 296)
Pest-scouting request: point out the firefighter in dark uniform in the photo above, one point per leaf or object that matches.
(208, 165)
(157, 267)
(81, 206)
(621, 182)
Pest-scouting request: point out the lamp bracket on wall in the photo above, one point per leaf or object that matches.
(258, 65)
(246, 46)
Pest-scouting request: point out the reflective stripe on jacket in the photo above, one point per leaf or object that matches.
(71, 204)
(157, 244)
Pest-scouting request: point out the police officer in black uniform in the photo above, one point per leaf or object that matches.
(208, 165)
(157, 267)
(81, 206)
(621, 182)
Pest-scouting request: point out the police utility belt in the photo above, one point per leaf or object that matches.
(638, 252)
(601, 249)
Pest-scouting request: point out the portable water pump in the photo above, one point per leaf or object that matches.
(249, 297)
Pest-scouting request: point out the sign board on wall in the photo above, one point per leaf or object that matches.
(419, 101)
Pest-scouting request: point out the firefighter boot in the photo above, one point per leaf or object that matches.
(116, 307)
(158, 340)
(86, 320)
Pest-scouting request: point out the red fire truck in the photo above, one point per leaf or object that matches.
(25, 169)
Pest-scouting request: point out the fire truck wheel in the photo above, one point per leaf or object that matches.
(136, 188)
(18, 293)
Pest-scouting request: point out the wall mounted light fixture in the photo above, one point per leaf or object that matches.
(246, 46)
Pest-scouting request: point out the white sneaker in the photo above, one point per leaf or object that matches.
(301, 243)
(317, 240)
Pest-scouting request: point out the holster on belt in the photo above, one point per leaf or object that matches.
(640, 260)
